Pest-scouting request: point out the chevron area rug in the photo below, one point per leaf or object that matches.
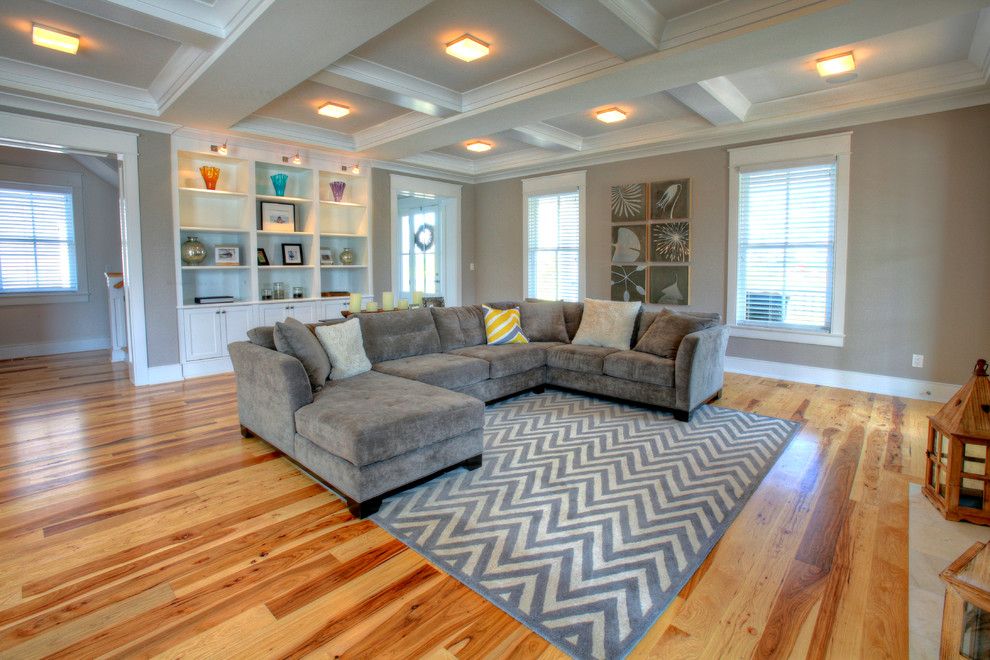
(588, 517)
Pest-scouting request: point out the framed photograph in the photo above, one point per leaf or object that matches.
(326, 257)
(629, 244)
(670, 200)
(629, 202)
(670, 285)
(670, 242)
(227, 255)
(629, 283)
(278, 216)
(292, 254)
(263, 257)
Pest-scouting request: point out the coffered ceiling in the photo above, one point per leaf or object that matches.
(687, 73)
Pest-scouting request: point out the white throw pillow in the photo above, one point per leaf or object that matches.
(345, 348)
(606, 323)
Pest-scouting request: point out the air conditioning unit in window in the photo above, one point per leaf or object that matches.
(765, 306)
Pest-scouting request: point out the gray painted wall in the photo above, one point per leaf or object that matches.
(919, 240)
(62, 322)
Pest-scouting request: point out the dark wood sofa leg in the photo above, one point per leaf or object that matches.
(473, 463)
(683, 415)
(364, 509)
(539, 389)
(246, 432)
(715, 397)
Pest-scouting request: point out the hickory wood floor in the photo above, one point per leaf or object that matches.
(137, 522)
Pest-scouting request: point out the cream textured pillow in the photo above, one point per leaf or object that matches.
(345, 348)
(607, 323)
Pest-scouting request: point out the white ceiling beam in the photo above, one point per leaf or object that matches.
(294, 132)
(99, 167)
(979, 50)
(717, 100)
(541, 134)
(150, 18)
(627, 28)
(801, 30)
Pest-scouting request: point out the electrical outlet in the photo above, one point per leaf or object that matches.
(917, 361)
(472, 265)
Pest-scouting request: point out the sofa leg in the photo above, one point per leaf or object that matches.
(683, 415)
(539, 389)
(715, 397)
(473, 463)
(364, 509)
(246, 432)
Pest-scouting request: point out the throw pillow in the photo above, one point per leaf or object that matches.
(543, 321)
(345, 348)
(572, 315)
(664, 335)
(295, 339)
(502, 326)
(263, 336)
(607, 323)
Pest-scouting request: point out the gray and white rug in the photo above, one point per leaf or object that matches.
(588, 516)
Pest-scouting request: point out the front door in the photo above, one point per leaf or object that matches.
(421, 246)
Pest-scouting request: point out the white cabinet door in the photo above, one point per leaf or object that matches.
(304, 312)
(236, 323)
(272, 313)
(330, 310)
(204, 338)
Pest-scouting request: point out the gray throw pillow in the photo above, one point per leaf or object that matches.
(263, 336)
(295, 339)
(543, 321)
(666, 332)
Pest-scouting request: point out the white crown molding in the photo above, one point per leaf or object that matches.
(391, 129)
(295, 132)
(69, 111)
(35, 79)
(979, 50)
(541, 134)
(400, 88)
(724, 17)
(640, 16)
(728, 96)
(177, 71)
(441, 163)
(136, 15)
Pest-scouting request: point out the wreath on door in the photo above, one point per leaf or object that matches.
(424, 237)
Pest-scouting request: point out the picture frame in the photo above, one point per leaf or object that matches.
(278, 217)
(326, 256)
(669, 285)
(227, 255)
(263, 257)
(292, 254)
(670, 200)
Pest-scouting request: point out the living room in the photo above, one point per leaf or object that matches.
(531, 327)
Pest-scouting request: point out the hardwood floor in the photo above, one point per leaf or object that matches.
(137, 522)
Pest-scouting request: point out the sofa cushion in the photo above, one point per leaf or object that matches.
(607, 323)
(393, 335)
(263, 336)
(507, 360)
(666, 332)
(295, 339)
(640, 367)
(375, 416)
(459, 326)
(543, 321)
(647, 317)
(440, 369)
(343, 346)
(587, 359)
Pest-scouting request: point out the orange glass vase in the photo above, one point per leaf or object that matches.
(210, 176)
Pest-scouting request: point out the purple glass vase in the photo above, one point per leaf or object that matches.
(337, 190)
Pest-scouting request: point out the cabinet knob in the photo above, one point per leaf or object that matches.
(217, 312)
(224, 312)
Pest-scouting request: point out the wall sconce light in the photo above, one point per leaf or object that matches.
(294, 159)
(219, 148)
(353, 169)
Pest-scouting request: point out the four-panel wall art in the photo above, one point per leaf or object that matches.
(651, 242)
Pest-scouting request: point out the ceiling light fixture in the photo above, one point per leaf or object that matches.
(295, 159)
(219, 148)
(467, 48)
(47, 37)
(335, 110)
(478, 146)
(610, 115)
(835, 68)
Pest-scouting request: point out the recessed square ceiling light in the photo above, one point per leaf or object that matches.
(610, 115)
(836, 65)
(478, 146)
(47, 37)
(335, 110)
(467, 48)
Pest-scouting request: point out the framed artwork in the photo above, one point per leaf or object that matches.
(227, 255)
(629, 283)
(670, 242)
(263, 257)
(670, 285)
(278, 216)
(670, 200)
(629, 244)
(292, 254)
(326, 256)
(629, 202)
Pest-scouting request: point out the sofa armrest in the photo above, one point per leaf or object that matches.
(271, 387)
(699, 369)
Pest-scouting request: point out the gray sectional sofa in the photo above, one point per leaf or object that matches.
(420, 410)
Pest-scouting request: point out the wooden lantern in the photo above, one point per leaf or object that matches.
(966, 611)
(957, 472)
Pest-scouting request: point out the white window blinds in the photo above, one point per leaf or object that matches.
(37, 239)
(787, 246)
(553, 249)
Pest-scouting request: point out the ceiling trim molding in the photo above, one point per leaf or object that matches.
(979, 50)
(68, 110)
(137, 15)
(640, 16)
(295, 132)
(391, 129)
(725, 17)
(442, 163)
(728, 96)
(541, 134)
(417, 94)
(184, 63)
(41, 80)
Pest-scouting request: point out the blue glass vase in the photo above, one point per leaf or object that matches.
(278, 182)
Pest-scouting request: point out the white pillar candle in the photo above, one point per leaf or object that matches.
(388, 300)
(354, 306)
(417, 297)
(372, 306)
(403, 303)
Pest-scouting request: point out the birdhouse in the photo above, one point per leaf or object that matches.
(957, 469)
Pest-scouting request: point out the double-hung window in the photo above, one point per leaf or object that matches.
(554, 211)
(787, 243)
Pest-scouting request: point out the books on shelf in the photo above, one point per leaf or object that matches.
(213, 300)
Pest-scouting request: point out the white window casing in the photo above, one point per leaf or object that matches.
(554, 236)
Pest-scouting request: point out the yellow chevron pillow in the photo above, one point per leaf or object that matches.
(502, 326)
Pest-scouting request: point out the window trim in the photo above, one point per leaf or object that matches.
(792, 153)
(548, 185)
(41, 179)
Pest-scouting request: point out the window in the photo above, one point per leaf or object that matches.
(789, 205)
(554, 236)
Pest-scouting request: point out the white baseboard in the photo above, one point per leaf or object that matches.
(165, 373)
(54, 347)
(207, 367)
(851, 380)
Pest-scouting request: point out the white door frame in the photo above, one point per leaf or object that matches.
(449, 196)
(35, 132)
